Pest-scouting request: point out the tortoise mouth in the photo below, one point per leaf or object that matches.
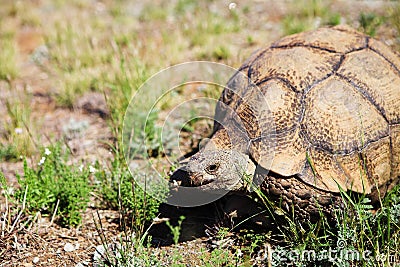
(196, 180)
(188, 179)
(206, 182)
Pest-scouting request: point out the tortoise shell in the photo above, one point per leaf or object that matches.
(333, 99)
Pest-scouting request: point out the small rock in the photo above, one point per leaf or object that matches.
(35, 260)
(68, 247)
(73, 128)
(40, 54)
(94, 103)
(99, 252)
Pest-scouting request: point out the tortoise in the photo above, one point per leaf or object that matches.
(311, 116)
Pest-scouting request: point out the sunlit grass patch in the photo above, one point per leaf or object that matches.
(52, 187)
(151, 13)
(80, 57)
(8, 54)
(18, 139)
(28, 16)
(221, 52)
(117, 189)
(77, 82)
(395, 16)
(126, 76)
(369, 22)
(309, 14)
(394, 22)
(209, 24)
(360, 236)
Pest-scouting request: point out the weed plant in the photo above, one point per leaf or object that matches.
(54, 187)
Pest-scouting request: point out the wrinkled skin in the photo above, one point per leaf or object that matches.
(215, 169)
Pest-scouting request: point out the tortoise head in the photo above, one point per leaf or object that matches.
(214, 168)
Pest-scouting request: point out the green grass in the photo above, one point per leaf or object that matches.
(53, 187)
(394, 17)
(221, 52)
(176, 230)
(79, 59)
(357, 232)
(117, 189)
(8, 68)
(309, 14)
(369, 22)
(17, 140)
(149, 13)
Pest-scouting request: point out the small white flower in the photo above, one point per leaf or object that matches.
(92, 169)
(18, 130)
(81, 168)
(232, 5)
(42, 160)
(239, 253)
(47, 152)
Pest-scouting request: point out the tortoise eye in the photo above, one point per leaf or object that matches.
(212, 169)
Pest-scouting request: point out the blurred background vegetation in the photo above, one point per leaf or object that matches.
(64, 49)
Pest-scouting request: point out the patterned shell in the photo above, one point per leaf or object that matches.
(327, 111)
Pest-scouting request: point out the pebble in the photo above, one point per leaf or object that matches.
(35, 260)
(99, 252)
(68, 247)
